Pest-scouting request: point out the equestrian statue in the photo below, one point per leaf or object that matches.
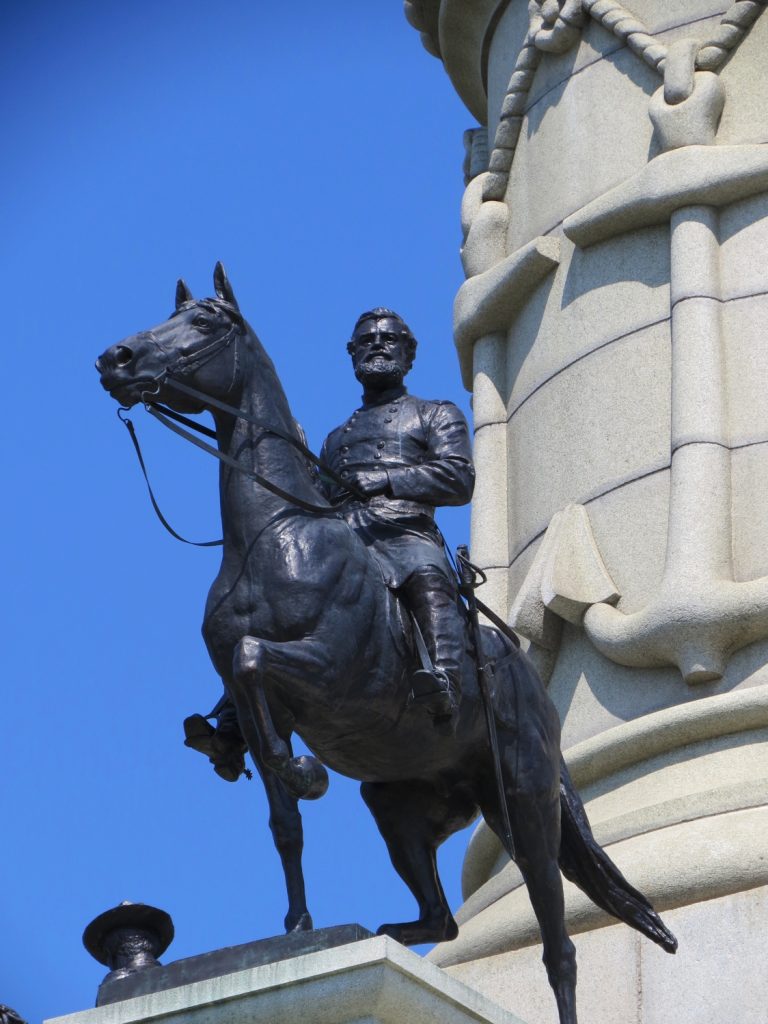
(335, 615)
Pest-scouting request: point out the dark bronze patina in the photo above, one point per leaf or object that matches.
(308, 638)
(226, 961)
(407, 456)
(128, 939)
(9, 1016)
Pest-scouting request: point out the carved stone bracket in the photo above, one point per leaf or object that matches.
(489, 301)
(567, 576)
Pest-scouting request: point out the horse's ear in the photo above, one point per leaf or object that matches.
(183, 294)
(222, 285)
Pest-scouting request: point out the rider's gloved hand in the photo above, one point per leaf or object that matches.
(369, 481)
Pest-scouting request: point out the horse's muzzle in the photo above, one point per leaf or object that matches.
(117, 373)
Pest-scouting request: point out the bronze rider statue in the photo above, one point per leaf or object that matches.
(406, 456)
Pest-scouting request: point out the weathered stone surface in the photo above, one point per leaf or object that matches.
(376, 981)
(716, 975)
(631, 388)
(745, 118)
(229, 960)
(596, 297)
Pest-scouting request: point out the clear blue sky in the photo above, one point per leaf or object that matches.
(316, 150)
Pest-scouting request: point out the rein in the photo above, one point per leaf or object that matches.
(227, 460)
(176, 422)
(185, 389)
(137, 448)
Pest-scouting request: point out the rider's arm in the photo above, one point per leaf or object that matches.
(446, 475)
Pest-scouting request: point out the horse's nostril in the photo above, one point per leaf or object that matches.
(123, 355)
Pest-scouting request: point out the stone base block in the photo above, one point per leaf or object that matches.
(374, 981)
(717, 976)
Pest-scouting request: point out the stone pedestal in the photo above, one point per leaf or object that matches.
(717, 976)
(612, 330)
(373, 981)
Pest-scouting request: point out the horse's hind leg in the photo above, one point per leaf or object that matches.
(536, 832)
(413, 820)
(535, 819)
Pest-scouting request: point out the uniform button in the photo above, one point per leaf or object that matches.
(345, 448)
(377, 455)
(344, 462)
(379, 444)
(387, 419)
(344, 472)
(347, 429)
(393, 408)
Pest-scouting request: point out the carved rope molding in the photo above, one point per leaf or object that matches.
(711, 56)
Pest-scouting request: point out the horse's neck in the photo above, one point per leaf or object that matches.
(246, 507)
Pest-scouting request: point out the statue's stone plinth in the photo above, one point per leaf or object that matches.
(229, 960)
(370, 981)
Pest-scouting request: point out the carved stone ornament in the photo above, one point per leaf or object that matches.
(555, 24)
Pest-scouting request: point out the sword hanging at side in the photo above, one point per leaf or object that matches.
(468, 581)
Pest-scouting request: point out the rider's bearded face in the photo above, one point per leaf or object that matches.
(380, 356)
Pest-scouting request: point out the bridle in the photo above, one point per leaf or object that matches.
(177, 423)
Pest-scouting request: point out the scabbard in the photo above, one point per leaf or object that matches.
(490, 720)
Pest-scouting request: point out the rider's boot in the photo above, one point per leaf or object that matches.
(431, 598)
(223, 745)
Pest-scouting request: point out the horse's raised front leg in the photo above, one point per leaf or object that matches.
(224, 747)
(304, 777)
(413, 820)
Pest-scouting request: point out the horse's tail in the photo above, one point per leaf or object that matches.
(584, 862)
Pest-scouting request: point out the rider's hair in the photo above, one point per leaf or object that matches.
(381, 313)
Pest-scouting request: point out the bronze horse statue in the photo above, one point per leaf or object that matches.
(307, 639)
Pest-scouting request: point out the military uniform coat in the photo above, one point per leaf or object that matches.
(425, 448)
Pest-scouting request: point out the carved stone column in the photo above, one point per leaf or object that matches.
(613, 330)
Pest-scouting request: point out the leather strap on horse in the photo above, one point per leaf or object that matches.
(498, 622)
(468, 577)
(185, 389)
(165, 416)
(195, 543)
(293, 499)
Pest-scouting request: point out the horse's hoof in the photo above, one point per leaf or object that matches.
(303, 923)
(415, 933)
(305, 777)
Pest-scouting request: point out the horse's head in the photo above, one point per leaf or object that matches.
(198, 344)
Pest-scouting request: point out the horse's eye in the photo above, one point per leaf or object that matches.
(201, 322)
